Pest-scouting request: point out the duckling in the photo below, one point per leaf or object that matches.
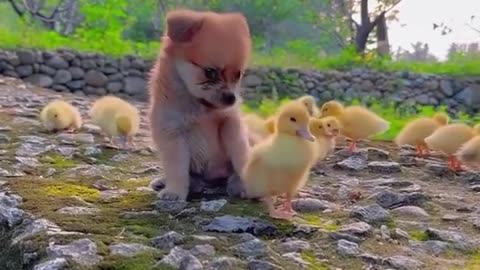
(449, 139)
(357, 122)
(116, 117)
(256, 126)
(270, 124)
(281, 163)
(415, 132)
(325, 131)
(469, 153)
(309, 102)
(60, 115)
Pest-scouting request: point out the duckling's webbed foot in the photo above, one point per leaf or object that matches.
(352, 146)
(275, 213)
(287, 206)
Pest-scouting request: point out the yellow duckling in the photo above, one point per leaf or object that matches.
(116, 117)
(415, 132)
(325, 131)
(270, 124)
(357, 122)
(279, 164)
(256, 127)
(449, 139)
(469, 153)
(309, 102)
(60, 115)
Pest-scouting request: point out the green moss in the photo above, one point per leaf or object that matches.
(391, 223)
(419, 235)
(57, 161)
(67, 190)
(309, 257)
(142, 261)
(331, 227)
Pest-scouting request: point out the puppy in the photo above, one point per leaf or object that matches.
(194, 99)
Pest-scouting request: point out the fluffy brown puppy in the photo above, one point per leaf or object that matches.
(194, 99)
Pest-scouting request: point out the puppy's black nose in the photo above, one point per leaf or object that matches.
(228, 98)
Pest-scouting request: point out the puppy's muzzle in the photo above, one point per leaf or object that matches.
(228, 99)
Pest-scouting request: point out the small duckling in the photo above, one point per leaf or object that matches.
(60, 115)
(469, 153)
(281, 163)
(309, 102)
(449, 139)
(256, 127)
(270, 124)
(116, 117)
(325, 131)
(415, 132)
(357, 122)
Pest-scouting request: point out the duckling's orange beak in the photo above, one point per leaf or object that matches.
(305, 134)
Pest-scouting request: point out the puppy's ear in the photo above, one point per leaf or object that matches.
(183, 25)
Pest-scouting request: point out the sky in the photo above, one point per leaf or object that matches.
(418, 16)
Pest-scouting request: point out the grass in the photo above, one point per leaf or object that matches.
(398, 116)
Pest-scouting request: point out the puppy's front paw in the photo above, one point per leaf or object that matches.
(169, 194)
(235, 187)
(157, 184)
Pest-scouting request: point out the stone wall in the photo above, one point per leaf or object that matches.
(97, 74)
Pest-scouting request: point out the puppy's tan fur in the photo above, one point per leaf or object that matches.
(193, 126)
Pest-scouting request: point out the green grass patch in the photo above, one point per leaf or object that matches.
(142, 261)
(419, 235)
(57, 161)
(67, 190)
(309, 257)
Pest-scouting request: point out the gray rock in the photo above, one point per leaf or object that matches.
(411, 212)
(375, 153)
(66, 151)
(112, 194)
(212, 206)
(224, 263)
(252, 248)
(353, 163)
(251, 80)
(423, 99)
(384, 167)
(190, 262)
(470, 96)
(204, 238)
(337, 236)
(458, 239)
(62, 76)
(372, 214)
(77, 137)
(403, 263)
(10, 216)
(120, 157)
(78, 211)
(233, 224)
(446, 87)
(76, 85)
(128, 249)
(168, 240)
(82, 251)
(135, 85)
(295, 246)
(95, 78)
(437, 169)
(175, 257)
(436, 248)
(39, 80)
(9, 199)
(204, 250)
(385, 232)
(114, 87)
(312, 205)
(53, 264)
(26, 57)
(262, 265)
(47, 70)
(24, 71)
(57, 62)
(172, 207)
(297, 258)
(347, 248)
(400, 234)
(388, 199)
(76, 72)
(357, 228)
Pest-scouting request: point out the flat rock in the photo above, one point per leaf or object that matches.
(347, 248)
(252, 248)
(127, 249)
(458, 239)
(176, 257)
(388, 199)
(372, 214)
(205, 250)
(225, 262)
(295, 246)
(353, 163)
(82, 251)
(11, 216)
(234, 224)
(53, 264)
(168, 240)
(77, 137)
(403, 263)
(78, 210)
(262, 265)
(384, 167)
(349, 237)
(312, 205)
(433, 247)
(357, 228)
(172, 207)
(297, 258)
(212, 206)
(410, 212)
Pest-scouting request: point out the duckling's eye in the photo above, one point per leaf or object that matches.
(319, 127)
(211, 74)
(56, 115)
(328, 125)
(326, 109)
(293, 119)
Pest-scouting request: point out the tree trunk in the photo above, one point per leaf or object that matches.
(383, 45)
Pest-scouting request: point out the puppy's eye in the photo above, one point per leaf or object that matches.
(211, 74)
(237, 75)
(293, 119)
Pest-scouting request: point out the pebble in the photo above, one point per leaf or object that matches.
(347, 248)
(168, 240)
(433, 247)
(225, 262)
(177, 257)
(357, 228)
(403, 263)
(306, 205)
(127, 249)
(233, 224)
(387, 167)
(252, 248)
(411, 212)
(172, 207)
(295, 246)
(353, 163)
(78, 210)
(372, 214)
(204, 250)
(82, 251)
(53, 264)
(262, 265)
(390, 200)
(212, 206)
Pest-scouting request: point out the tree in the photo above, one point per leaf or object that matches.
(420, 52)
